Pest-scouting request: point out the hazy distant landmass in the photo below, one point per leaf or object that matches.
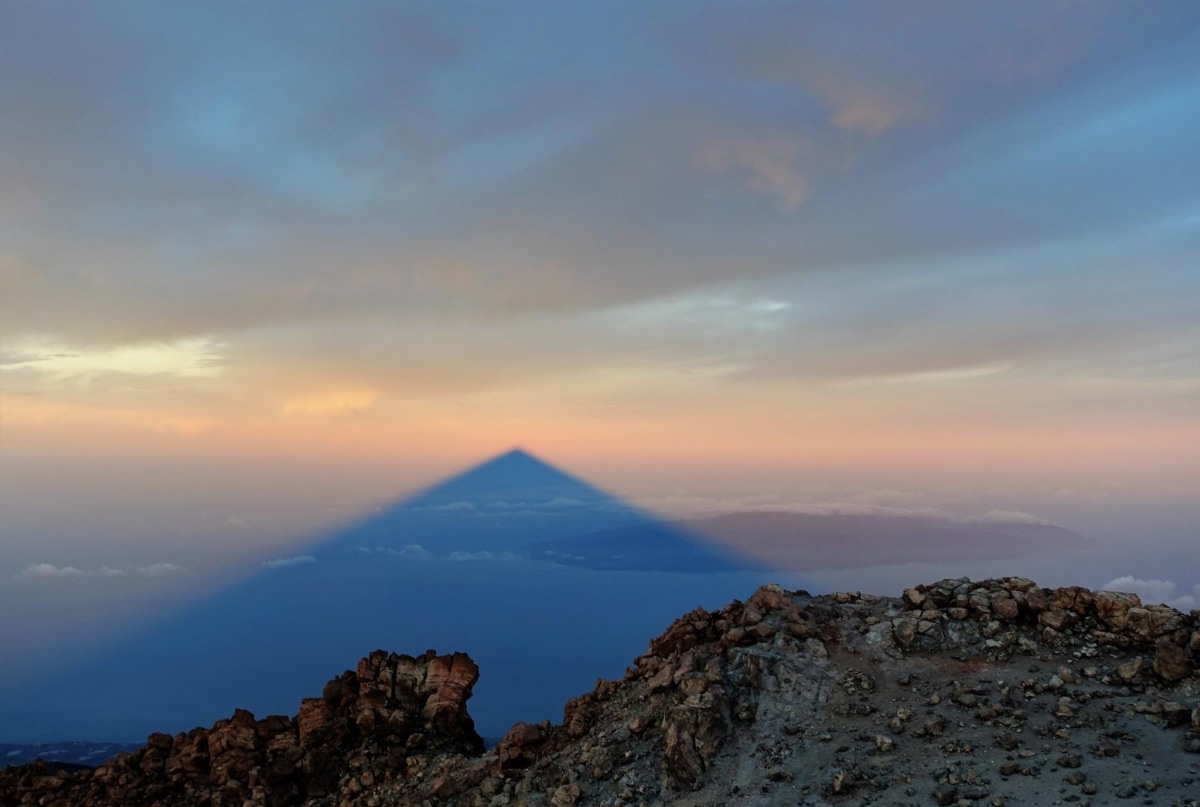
(662, 546)
(68, 754)
(805, 541)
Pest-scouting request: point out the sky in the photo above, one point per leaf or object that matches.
(265, 266)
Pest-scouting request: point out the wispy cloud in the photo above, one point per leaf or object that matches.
(1007, 517)
(949, 375)
(468, 557)
(565, 501)
(452, 507)
(295, 560)
(770, 165)
(48, 571)
(1154, 592)
(342, 402)
(883, 503)
(553, 506)
(200, 357)
(419, 552)
(407, 552)
(158, 569)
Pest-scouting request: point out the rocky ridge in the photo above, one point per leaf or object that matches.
(956, 693)
(385, 719)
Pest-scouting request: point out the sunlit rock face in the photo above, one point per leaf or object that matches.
(545, 580)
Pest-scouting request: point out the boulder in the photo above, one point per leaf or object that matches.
(520, 747)
(1056, 618)
(1170, 661)
(1005, 606)
(905, 630)
(770, 597)
(1037, 600)
(1130, 670)
(1112, 607)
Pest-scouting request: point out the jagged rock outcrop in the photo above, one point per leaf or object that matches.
(382, 721)
(958, 692)
(958, 612)
(996, 692)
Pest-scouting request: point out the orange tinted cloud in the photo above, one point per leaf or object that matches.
(324, 404)
(770, 164)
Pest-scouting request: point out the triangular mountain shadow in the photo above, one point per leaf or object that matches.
(547, 581)
(516, 504)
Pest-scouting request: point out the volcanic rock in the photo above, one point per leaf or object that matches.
(957, 692)
(393, 709)
(1170, 660)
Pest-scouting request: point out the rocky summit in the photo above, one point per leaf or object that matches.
(997, 692)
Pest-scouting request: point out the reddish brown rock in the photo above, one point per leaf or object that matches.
(762, 631)
(735, 637)
(1112, 607)
(1037, 600)
(1130, 670)
(801, 623)
(413, 704)
(665, 677)
(314, 714)
(1005, 607)
(1021, 584)
(770, 597)
(1153, 622)
(443, 787)
(1170, 661)
(519, 748)
(686, 632)
(1075, 599)
(579, 714)
(448, 682)
(1056, 618)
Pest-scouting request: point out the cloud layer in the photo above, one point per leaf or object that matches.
(295, 560)
(48, 571)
